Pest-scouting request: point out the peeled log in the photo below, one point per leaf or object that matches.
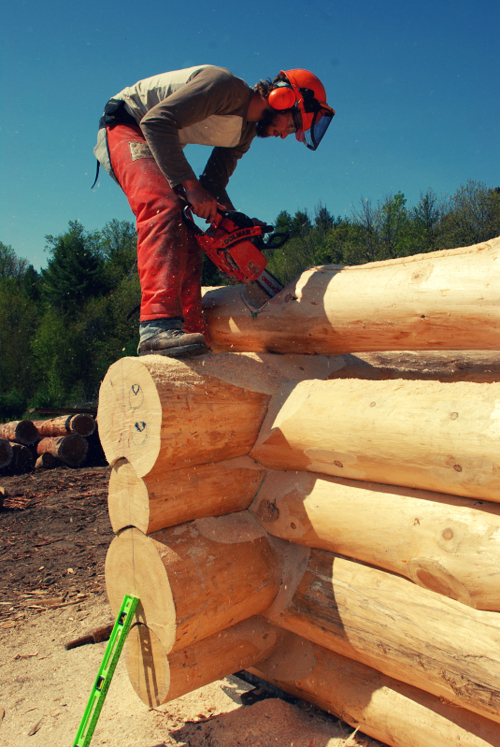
(478, 366)
(444, 543)
(20, 431)
(397, 714)
(168, 414)
(444, 300)
(81, 424)
(408, 633)
(72, 450)
(427, 435)
(158, 678)
(164, 499)
(6, 453)
(196, 579)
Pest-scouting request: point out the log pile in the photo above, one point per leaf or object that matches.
(44, 444)
(287, 507)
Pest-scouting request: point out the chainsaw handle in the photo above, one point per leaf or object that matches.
(187, 214)
(275, 240)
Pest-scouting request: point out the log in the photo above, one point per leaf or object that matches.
(426, 435)
(72, 449)
(442, 300)
(395, 713)
(20, 431)
(195, 579)
(160, 500)
(6, 453)
(444, 543)
(82, 424)
(169, 414)
(47, 461)
(405, 632)
(158, 678)
(22, 459)
(478, 366)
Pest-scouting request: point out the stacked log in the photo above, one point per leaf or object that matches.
(72, 449)
(336, 534)
(81, 424)
(20, 431)
(6, 453)
(71, 440)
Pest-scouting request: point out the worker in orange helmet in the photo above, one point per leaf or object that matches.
(141, 139)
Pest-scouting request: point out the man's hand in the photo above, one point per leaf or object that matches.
(203, 203)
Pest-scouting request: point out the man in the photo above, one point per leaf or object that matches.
(140, 143)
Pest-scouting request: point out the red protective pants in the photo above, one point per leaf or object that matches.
(169, 259)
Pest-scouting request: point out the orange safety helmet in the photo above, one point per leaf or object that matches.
(305, 95)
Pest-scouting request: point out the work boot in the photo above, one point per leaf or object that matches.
(166, 337)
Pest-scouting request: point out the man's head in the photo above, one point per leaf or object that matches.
(296, 103)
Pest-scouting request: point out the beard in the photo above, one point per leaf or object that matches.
(267, 119)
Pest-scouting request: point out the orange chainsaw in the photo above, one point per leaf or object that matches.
(235, 246)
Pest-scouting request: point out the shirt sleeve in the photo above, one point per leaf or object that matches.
(221, 165)
(211, 90)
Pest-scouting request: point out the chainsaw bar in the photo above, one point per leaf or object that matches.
(269, 283)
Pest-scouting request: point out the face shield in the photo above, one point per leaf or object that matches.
(310, 126)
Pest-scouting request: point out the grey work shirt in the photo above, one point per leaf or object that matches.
(204, 105)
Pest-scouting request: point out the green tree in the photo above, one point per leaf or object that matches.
(394, 227)
(10, 265)
(323, 221)
(18, 322)
(283, 223)
(75, 270)
(470, 216)
(426, 218)
(301, 224)
(117, 245)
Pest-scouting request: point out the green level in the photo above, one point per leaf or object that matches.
(106, 671)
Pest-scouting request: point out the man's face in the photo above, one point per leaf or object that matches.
(275, 124)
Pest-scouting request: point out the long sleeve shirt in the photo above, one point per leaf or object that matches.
(204, 105)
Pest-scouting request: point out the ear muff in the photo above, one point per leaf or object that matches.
(282, 97)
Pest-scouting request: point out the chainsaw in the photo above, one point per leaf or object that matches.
(235, 246)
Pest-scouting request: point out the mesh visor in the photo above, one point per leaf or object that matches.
(314, 135)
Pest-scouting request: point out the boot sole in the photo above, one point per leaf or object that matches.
(178, 352)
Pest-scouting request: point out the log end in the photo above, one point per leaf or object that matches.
(128, 502)
(130, 415)
(133, 566)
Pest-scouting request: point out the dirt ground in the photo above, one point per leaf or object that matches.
(54, 534)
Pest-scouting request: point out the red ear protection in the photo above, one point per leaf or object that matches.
(282, 97)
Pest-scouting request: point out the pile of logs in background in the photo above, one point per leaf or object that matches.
(71, 440)
(326, 521)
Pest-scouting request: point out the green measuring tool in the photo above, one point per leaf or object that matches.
(106, 671)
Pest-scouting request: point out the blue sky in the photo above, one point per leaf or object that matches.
(415, 86)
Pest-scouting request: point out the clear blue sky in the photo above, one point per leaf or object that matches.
(415, 86)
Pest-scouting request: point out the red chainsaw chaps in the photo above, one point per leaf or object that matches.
(169, 259)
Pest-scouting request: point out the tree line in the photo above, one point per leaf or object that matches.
(61, 328)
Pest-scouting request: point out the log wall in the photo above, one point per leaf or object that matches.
(317, 519)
